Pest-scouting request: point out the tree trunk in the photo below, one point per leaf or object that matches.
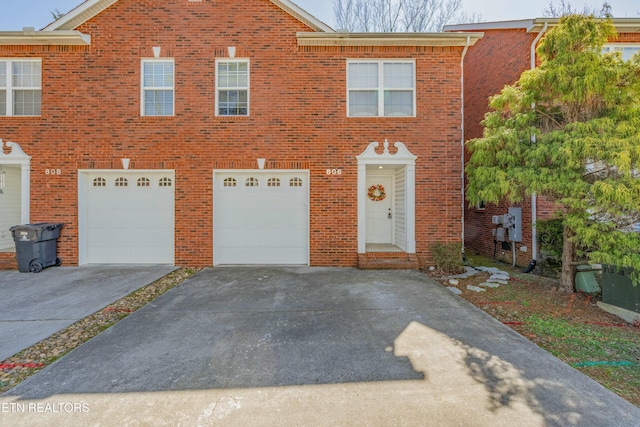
(568, 266)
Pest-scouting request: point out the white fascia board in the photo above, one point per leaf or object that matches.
(80, 15)
(623, 25)
(388, 39)
(496, 25)
(44, 38)
(302, 15)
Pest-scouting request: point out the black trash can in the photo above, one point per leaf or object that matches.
(36, 245)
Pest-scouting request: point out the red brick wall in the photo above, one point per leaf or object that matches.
(496, 60)
(91, 119)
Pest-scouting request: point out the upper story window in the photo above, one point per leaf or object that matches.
(627, 50)
(381, 88)
(232, 87)
(20, 87)
(157, 87)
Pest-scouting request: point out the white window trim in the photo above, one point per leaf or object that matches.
(381, 88)
(9, 86)
(143, 88)
(248, 88)
(611, 47)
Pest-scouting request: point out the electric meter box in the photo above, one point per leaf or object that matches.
(515, 226)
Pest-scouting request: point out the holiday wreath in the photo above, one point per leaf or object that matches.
(376, 193)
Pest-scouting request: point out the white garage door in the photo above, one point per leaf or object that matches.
(261, 217)
(127, 217)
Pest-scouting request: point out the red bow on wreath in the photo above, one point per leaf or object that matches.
(376, 193)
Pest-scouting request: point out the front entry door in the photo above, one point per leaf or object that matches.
(380, 212)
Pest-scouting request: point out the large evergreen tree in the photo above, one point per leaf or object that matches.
(569, 130)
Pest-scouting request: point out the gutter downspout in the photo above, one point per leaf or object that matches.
(534, 197)
(464, 53)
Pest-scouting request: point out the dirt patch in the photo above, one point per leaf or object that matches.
(570, 326)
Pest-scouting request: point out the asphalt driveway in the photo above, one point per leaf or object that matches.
(35, 306)
(311, 346)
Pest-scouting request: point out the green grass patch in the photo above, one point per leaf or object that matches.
(609, 355)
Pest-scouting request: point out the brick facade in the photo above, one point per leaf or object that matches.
(91, 119)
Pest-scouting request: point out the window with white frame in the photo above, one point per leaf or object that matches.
(381, 88)
(157, 87)
(232, 87)
(626, 50)
(20, 87)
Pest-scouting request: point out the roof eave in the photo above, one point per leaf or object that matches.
(79, 15)
(388, 39)
(91, 8)
(302, 15)
(622, 25)
(494, 25)
(30, 37)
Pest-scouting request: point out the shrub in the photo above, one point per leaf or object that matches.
(550, 236)
(448, 257)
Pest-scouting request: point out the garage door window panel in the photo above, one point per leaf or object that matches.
(273, 182)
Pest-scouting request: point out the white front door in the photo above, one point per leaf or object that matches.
(10, 198)
(380, 223)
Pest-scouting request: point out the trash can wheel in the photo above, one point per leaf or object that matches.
(58, 262)
(35, 267)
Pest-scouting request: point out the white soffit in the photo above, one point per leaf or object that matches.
(388, 39)
(622, 25)
(495, 25)
(29, 37)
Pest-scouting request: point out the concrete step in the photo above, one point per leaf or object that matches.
(8, 263)
(388, 261)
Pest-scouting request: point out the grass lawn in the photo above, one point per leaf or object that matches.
(570, 326)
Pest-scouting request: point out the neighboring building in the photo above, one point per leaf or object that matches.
(201, 133)
(507, 49)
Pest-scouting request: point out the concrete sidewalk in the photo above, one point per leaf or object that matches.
(311, 346)
(35, 306)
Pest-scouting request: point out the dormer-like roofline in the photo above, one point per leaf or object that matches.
(91, 8)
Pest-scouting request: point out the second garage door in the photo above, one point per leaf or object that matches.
(261, 217)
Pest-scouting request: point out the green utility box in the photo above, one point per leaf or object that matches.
(618, 290)
(585, 279)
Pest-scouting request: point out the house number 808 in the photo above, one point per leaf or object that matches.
(334, 171)
(53, 172)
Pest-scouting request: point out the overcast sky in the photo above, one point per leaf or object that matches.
(16, 14)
